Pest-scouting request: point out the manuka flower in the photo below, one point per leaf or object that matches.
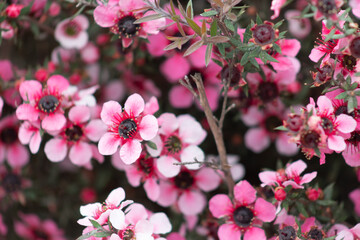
(71, 32)
(43, 103)
(244, 215)
(127, 128)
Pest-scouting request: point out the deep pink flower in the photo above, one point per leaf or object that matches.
(288, 176)
(276, 6)
(126, 128)
(355, 198)
(243, 216)
(184, 189)
(120, 18)
(71, 32)
(29, 133)
(75, 137)
(6, 73)
(30, 227)
(13, 10)
(1, 105)
(10, 147)
(327, 9)
(177, 141)
(43, 103)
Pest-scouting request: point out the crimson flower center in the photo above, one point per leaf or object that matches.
(310, 139)
(127, 27)
(184, 180)
(11, 182)
(48, 103)
(272, 122)
(128, 234)
(327, 125)
(287, 233)
(268, 91)
(127, 128)
(73, 133)
(233, 73)
(72, 28)
(8, 135)
(173, 144)
(327, 6)
(355, 47)
(263, 34)
(349, 62)
(146, 165)
(315, 234)
(243, 216)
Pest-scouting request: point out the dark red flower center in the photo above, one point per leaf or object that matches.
(126, 26)
(243, 100)
(127, 128)
(263, 34)
(184, 180)
(355, 47)
(11, 182)
(232, 73)
(173, 144)
(310, 139)
(315, 234)
(354, 138)
(324, 74)
(349, 62)
(272, 122)
(128, 234)
(72, 28)
(38, 234)
(146, 165)
(48, 103)
(327, 125)
(327, 7)
(294, 122)
(268, 91)
(243, 216)
(287, 233)
(74, 133)
(9, 135)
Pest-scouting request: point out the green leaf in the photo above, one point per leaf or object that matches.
(213, 28)
(218, 62)
(229, 24)
(342, 95)
(26, 10)
(95, 224)
(281, 128)
(208, 54)
(151, 145)
(148, 18)
(326, 202)
(328, 191)
(276, 48)
(189, 9)
(258, 20)
(193, 26)
(330, 35)
(209, 13)
(95, 233)
(300, 207)
(351, 104)
(278, 24)
(195, 46)
(247, 34)
(78, 12)
(244, 58)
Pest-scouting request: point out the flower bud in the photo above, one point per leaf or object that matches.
(314, 194)
(13, 10)
(280, 194)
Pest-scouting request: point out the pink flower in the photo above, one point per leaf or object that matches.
(1, 105)
(184, 189)
(43, 103)
(29, 133)
(120, 18)
(298, 27)
(178, 141)
(6, 72)
(7, 30)
(75, 136)
(127, 128)
(90, 53)
(13, 10)
(289, 176)
(243, 216)
(349, 234)
(101, 212)
(355, 198)
(327, 9)
(71, 32)
(10, 147)
(12, 185)
(276, 6)
(30, 227)
(3, 227)
(355, 7)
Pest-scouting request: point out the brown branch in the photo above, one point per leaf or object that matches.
(216, 131)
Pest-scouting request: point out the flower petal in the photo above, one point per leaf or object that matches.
(192, 154)
(55, 149)
(115, 197)
(135, 104)
(53, 122)
(229, 232)
(117, 219)
(108, 144)
(345, 123)
(220, 205)
(166, 166)
(255, 233)
(161, 223)
(80, 153)
(26, 112)
(152, 189)
(265, 211)
(244, 193)
(57, 83)
(148, 127)
(207, 179)
(130, 151)
(17, 155)
(29, 90)
(95, 129)
(191, 202)
(109, 110)
(79, 114)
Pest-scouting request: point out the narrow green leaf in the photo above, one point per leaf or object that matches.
(342, 95)
(281, 128)
(213, 29)
(209, 13)
(195, 46)
(208, 54)
(189, 9)
(229, 24)
(151, 145)
(193, 26)
(300, 207)
(95, 224)
(148, 18)
(258, 20)
(330, 35)
(26, 10)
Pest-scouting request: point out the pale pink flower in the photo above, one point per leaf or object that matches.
(6, 73)
(75, 137)
(29, 133)
(43, 103)
(276, 6)
(288, 176)
(355, 7)
(355, 198)
(10, 147)
(299, 27)
(126, 128)
(101, 212)
(177, 141)
(7, 30)
(90, 53)
(184, 189)
(71, 32)
(349, 234)
(243, 216)
(1, 105)
(30, 227)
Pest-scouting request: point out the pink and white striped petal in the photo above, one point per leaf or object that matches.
(134, 104)
(80, 153)
(130, 151)
(56, 149)
(109, 111)
(108, 144)
(191, 202)
(29, 90)
(148, 127)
